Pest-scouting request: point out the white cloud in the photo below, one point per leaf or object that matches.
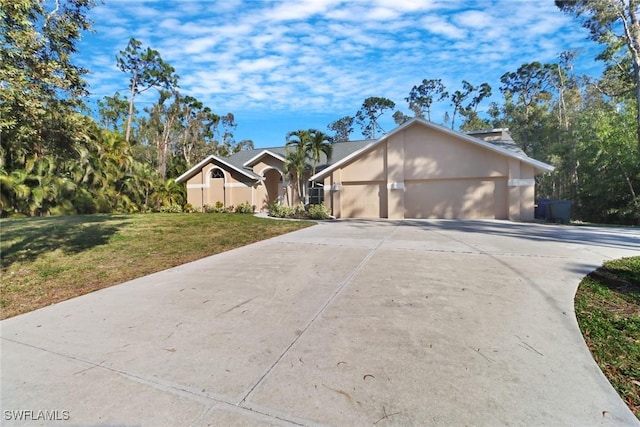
(297, 10)
(476, 19)
(325, 56)
(382, 13)
(259, 65)
(199, 45)
(439, 26)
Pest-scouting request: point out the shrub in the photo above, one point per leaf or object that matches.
(244, 208)
(276, 210)
(319, 212)
(172, 208)
(188, 208)
(280, 211)
(217, 208)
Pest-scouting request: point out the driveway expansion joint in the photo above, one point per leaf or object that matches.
(339, 289)
(480, 345)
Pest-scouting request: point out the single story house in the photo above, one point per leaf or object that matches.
(418, 170)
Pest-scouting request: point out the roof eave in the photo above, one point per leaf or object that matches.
(544, 167)
(188, 174)
(261, 154)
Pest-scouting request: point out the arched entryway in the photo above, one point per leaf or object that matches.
(273, 186)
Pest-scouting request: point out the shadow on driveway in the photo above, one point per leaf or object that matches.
(624, 238)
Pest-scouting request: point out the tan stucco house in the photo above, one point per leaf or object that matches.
(418, 170)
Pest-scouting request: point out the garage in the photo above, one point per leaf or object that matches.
(364, 200)
(424, 170)
(456, 198)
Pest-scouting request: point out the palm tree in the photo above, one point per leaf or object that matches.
(294, 166)
(296, 158)
(317, 144)
(298, 139)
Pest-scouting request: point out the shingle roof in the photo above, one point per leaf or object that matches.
(496, 139)
(508, 145)
(487, 143)
(340, 151)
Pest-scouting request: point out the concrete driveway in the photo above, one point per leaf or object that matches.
(345, 323)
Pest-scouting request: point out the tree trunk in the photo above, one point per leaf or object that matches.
(132, 94)
(636, 73)
(632, 31)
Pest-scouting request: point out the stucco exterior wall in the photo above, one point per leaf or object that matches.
(527, 193)
(429, 153)
(232, 190)
(418, 171)
(267, 162)
(369, 167)
(239, 194)
(422, 172)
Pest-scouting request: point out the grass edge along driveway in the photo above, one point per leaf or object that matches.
(607, 306)
(52, 259)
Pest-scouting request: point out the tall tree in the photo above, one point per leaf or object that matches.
(399, 117)
(421, 97)
(244, 144)
(41, 89)
(342, 128)
(318, 143)
(528, 93)
(227, 143)
(162, 127)
(113, 111)
(298, 140)
(472, 120)
(458, 98)
(146, 70)
(198, 126)
(369, 113)
(609, 171)
(615, 24)
(296, 158)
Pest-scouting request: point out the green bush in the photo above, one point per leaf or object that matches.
(244, 208)
(280, 211)
(319, 212)
(188, 208)
(172, 208)
(314, 212)
(217, 208)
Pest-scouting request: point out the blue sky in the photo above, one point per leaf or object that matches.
(285, 65)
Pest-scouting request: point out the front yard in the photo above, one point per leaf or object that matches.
(48, 260)
(608, 310)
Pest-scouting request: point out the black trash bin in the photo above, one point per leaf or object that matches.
(560, 211)
(542, 209)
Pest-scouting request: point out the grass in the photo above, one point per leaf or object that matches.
(48, 260)
(608, 310)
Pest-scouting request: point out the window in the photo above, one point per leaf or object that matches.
(316, 193)
(217, 173)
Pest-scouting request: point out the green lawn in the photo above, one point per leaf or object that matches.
(47, 260)
(608, 310)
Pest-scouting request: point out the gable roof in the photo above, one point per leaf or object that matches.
(497, 140)
(503, 147)
(252, 161)
(210, 159)
(244, 159)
